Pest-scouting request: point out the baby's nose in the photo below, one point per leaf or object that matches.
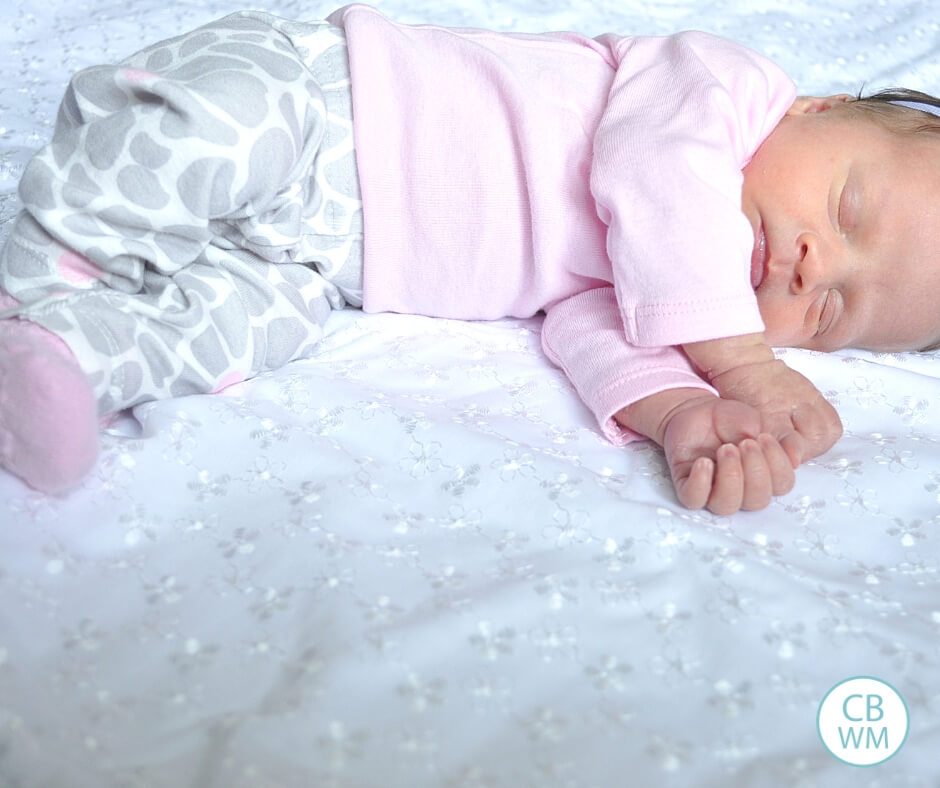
(810, 269)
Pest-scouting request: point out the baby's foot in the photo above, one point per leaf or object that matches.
(48, 418)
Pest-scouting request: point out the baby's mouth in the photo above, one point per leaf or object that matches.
(759, 258)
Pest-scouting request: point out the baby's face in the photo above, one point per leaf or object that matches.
(846, 220)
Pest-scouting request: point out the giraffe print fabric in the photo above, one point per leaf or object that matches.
(196, 216)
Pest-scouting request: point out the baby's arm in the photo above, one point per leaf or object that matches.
(717, 454)
(671, 403)
(792, 410)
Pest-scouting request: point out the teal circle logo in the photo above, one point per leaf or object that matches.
(863, 721)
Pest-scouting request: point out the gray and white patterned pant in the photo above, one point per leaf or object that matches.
(196, 216)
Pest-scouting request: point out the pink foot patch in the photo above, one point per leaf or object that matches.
(78, 269)
(229, 380)
(136, 75)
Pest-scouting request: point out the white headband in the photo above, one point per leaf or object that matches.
(921, 105)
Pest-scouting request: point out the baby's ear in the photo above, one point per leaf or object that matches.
(805, 105)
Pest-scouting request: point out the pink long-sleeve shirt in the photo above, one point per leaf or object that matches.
(598, 180)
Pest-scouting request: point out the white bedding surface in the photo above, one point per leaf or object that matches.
(412, 561)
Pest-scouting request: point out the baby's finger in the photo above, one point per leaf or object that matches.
(728, 486)
(781, 469)
(781, 428)
(692, 490)
(794, 446)
(758, 485)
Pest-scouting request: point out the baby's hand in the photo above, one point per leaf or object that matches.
(717, 455)
(720, 459)
(792, 409)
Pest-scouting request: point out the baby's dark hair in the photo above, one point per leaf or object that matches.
(905, 117)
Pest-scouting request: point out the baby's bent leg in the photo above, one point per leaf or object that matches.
(160, 226)
(220, 321)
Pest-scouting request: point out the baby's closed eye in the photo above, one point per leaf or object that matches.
(832, 308)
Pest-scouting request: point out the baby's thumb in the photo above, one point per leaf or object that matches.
(820, 426)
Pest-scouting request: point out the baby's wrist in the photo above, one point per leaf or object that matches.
(714, 357)
(651, 415)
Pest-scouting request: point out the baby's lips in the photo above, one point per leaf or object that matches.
(759, 258)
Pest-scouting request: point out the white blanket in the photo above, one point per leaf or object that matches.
(412, 561)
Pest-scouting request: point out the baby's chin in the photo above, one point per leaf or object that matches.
(779, 336)
(775, 334)
(782, 327)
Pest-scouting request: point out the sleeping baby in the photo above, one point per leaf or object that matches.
(669, 203)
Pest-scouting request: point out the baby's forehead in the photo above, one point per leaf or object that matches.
(907, 166)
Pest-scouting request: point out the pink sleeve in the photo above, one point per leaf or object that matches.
(583, 335)
(684, 116)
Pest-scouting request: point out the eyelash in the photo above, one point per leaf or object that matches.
(827, 308)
